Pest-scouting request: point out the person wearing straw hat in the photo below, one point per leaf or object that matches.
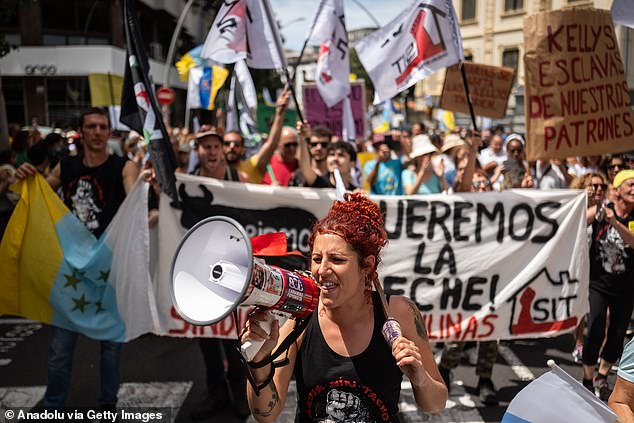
(426, 179)
(344, 370)
(451, 144)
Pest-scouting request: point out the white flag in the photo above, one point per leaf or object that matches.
(333, 63)
(246, 83)
(423, 39)
(241, 30)
(556, 397)
(348, 132)
(623, 12)
(232, 109)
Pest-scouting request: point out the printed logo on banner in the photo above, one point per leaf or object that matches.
(294, 222)
(423, 48)
(533, 313)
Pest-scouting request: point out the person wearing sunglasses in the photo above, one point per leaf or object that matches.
(318, 143)
(614, 166)
(284, 162)
(339, 155)
(611, 287)
(255, 166)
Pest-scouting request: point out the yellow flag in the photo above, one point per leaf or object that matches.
(105, 89)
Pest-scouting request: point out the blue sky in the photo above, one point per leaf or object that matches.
(290, 11)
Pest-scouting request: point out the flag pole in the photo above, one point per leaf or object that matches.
(468, 95)
(280, 52)
(310, 32)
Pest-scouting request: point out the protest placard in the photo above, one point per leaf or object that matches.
(489, 87)
(317, 113)
(577, 101)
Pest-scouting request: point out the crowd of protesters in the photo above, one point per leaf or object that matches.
(413, 160)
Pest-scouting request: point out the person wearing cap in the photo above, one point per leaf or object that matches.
(611, 284)
(426, 179)
(222, 386)
(211, 159)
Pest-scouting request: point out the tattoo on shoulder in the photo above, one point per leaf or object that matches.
(418, 320)
(272, 403)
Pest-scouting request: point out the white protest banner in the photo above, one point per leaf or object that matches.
(333, 63)
(577, 101)
(242, 30)
(423, 39)
(479, 266)
(317, 112)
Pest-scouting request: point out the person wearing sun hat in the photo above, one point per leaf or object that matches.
(611, 287)
(426, 179)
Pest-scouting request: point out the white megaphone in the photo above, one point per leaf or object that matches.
(214, 271)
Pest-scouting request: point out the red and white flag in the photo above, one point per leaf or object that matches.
(245, 29)
(333, 63)
(423, 39)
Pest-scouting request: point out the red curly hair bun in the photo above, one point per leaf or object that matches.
(358, 221)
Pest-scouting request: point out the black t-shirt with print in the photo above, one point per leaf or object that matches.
(93, 194)
(611, 259)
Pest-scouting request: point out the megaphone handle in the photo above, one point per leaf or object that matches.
(250, 348)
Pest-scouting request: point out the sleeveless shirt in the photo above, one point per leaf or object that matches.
(93, 194)
(330, 387)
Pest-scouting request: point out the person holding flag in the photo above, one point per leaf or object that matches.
(94, 184)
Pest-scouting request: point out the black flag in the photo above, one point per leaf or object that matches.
(139, 107)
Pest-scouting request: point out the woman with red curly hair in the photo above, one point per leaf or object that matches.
(344, 369)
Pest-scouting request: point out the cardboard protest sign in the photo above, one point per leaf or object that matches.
(478, 266)
(489, 86)
(577, 101)
(317, 113)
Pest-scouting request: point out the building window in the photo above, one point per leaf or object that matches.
(513, 5)
(74, 22)
(510, 59)
(468, 56)
(66, 98)
(468, 10)
(13, 90)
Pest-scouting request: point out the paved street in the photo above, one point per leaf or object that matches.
(167, 373)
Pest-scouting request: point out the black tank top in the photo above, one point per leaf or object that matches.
(93, 194)
(330, 387)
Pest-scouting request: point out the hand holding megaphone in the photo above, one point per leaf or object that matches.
(260, 335)
(215, 271)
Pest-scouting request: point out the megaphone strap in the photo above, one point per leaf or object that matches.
(299, 327)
